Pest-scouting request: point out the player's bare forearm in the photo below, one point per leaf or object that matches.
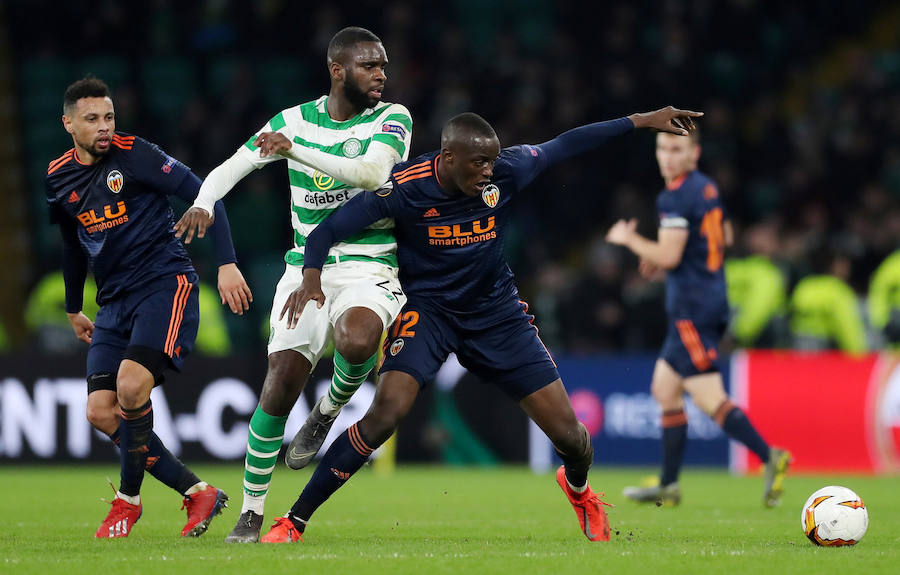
(194, 221)
(652, 252)
(668, 119)
(665, 255)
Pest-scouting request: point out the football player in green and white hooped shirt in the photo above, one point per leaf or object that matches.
(336, 147)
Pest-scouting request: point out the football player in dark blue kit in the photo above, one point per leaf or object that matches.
(109, 195)
(693, 234)
(451, 209)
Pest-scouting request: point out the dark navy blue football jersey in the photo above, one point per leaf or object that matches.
(696, 288)
(119, 210)
(450, 246)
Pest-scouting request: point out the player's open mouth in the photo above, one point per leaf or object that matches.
(103, 142)
(376, 92)
(481, 186)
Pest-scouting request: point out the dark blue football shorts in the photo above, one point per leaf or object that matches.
(692, 348)
(508, 352)
(160, 317)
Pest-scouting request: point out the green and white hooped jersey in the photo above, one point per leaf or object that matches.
(314, 195)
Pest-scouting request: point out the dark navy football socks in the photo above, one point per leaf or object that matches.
(164, 466)
(735, 424)
(346, 456)
(134, 435)
(167, 468)
(674, 437)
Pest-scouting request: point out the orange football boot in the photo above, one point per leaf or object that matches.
(588, 507)
(282, 532)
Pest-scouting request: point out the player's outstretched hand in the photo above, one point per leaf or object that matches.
(233, 289)
(82, 325)
(270, 143)
(195, 220)
(310, 289)
(668, 119)
(621, 232)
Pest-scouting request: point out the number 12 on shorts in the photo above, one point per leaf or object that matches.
(402, 326)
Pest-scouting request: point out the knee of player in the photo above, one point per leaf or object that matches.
(668, 397)
(279, 396)
(356, 338)
(355, 346)
(133, 392)
(102, 417)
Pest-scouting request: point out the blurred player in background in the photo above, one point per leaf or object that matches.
(109, 195)
(336, 147)
(451, 209)
(693, 234)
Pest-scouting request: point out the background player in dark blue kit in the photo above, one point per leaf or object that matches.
(693, 233)
(451, 209)
(109, 195)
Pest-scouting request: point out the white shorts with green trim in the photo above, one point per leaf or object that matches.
(345, 285)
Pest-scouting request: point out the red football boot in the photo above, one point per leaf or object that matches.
(588, 507)
(201, 508)
(120, 521)
(282, 532)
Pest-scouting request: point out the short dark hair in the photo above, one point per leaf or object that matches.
(87, 87)
(346, 38)
(466, 125)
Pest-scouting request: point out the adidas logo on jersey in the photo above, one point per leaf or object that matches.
(432, 213)
(73, 197)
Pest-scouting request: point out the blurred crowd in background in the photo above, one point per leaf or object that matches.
(801, 132)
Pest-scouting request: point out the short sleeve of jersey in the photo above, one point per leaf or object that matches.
(525, 162)
(154, 168)
(276, 124)
(395, 130)
(673, 211)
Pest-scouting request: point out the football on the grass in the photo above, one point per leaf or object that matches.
(834, 516)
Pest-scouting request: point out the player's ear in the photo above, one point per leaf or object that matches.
(336, 70)
(696, 152)
(67, 124)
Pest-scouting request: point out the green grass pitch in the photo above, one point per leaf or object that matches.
(441, 520)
